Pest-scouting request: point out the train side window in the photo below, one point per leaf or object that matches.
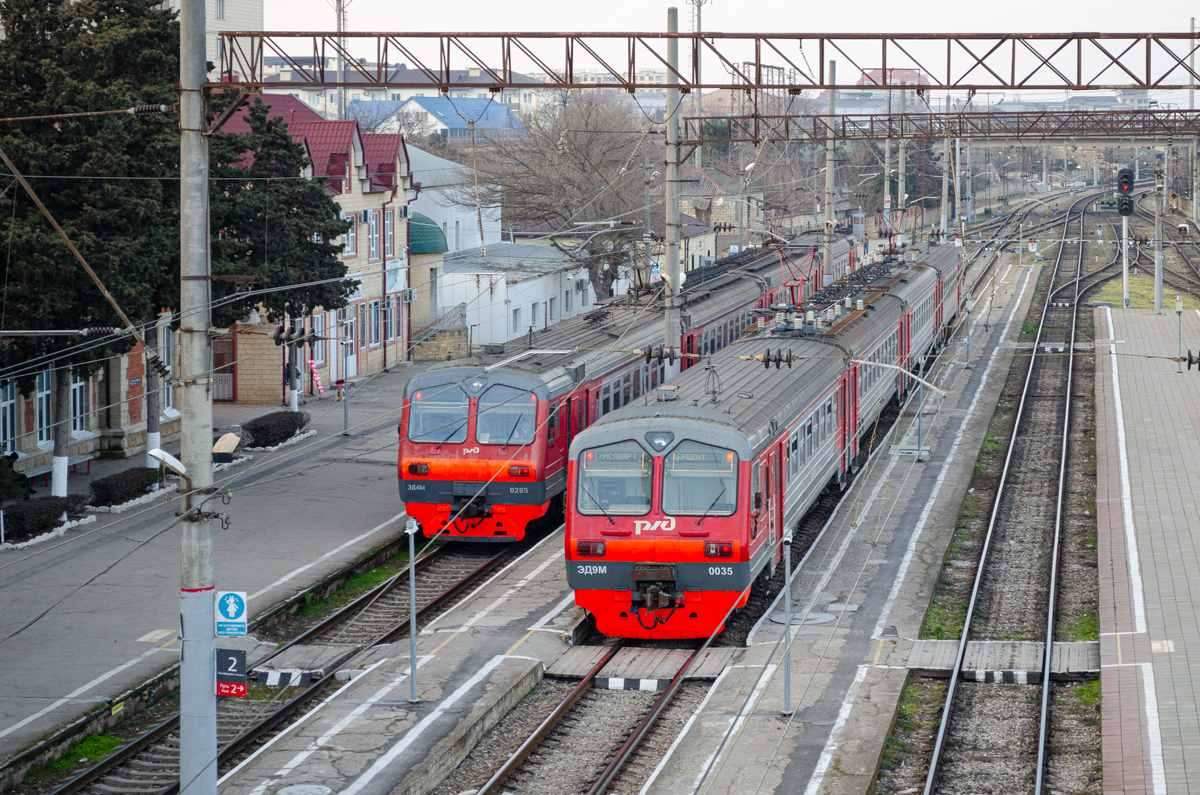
(625, 389)
(808, 438)
(653, 376)
(636, 385)
(552, 423)
(755, 490)
(605, 400)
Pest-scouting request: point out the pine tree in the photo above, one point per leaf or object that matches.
(271, 223)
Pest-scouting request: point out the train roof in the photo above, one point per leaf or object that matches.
(568, 352)
(726, 392)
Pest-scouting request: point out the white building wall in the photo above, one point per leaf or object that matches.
(490, 301)
(237, 15)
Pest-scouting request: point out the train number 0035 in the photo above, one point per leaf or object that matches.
(724, 571)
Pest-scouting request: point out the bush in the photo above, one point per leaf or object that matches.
(24, 520)
(272, 429)
(123, 486)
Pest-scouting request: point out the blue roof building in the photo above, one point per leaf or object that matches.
(448, 116)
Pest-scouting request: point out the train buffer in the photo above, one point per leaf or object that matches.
(1007, 660)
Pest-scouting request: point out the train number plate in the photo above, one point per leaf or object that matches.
(651, 574)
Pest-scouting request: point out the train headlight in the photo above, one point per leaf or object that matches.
(718, 549)
(520, 471)
(418, 469)
(590, 548)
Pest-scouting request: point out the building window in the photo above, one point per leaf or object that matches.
(362, 326)
(8, 415)
(389, 235)
(318, 344)
(457, 235)
(516, 319)
(397, 314)
(535, 313)
(553, 310)
(388, 331)
(356, 95)
(373, 235)
(44, 410)
(376, 323)
(220, 9)
(567, 303)
(79, 407)
(395, 97)
(350, 239)
(433, 291)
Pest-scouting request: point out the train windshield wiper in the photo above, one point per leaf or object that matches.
(453, 431)
(711, 505)
(510, 433)
(596, 502)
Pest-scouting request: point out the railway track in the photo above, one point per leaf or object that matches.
(591, 737)
(149, 765)
(1015, 588)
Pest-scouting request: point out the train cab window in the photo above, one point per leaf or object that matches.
(699, 479)
(438, 414)
(615, 479)
(507, 415)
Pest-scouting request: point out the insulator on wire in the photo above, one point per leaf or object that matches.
(99, 331)
(148, 110)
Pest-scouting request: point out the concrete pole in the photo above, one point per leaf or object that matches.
(887, 171)
(670, 268)
(1045, 168)
(62, 431)
(946, 166)
(1192, 106)
(153, 437)
(970, 186)
(827, 252)
(647, 237)
(198, 669)
(410, 527)
(741, 201)
(959, 182)
(699, 92)
(787, 625)
(340, 8)
(1158, 244)
(900, 186)
(1125, 261)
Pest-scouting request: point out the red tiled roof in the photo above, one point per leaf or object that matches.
(285, 105)
(331, 146)
(380, 152)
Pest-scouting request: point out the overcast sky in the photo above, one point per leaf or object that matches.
(866, 16)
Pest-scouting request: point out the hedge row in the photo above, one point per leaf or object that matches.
(272, 429)
(26, 519)
(123, 486)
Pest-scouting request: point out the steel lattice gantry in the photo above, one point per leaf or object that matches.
(960, 62)
(1159, 126)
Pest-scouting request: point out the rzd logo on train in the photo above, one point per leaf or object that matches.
(666, 525)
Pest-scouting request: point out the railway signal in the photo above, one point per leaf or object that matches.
(1125, 191)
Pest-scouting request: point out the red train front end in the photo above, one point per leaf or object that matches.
(473, 451)
(663, 536)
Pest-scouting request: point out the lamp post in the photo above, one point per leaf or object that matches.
(1179, 324)
(410, 527)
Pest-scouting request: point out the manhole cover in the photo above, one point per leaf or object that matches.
(800, 618)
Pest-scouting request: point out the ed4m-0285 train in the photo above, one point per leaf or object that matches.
(678, 503)
(483, 447)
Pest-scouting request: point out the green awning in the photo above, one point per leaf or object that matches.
(425, 237)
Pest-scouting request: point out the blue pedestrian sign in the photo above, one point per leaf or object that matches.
(231, 614)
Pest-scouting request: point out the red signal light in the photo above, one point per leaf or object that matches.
(590, 548)
(417, 396)
(718, 549)
(522, 471)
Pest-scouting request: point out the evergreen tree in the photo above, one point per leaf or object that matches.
(271, 223)
(109, 180)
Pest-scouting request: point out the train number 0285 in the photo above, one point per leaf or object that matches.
(724, 571)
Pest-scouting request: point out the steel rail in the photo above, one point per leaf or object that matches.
(169, 725)
(1048, 647)
(618, 763)
(956, 670)
(546, 726)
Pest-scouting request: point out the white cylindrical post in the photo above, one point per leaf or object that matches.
(1125, 261)
(1158, 244)
(830, 164)
(673, 332)
(410, 527)
(1179, 322)
(970, 307)
(787, 625)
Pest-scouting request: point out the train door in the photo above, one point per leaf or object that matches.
(774, 498)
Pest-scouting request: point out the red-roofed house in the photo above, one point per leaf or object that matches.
(368, 176)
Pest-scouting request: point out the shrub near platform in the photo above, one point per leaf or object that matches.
(272, 429)
(29, 518)
(123, 486)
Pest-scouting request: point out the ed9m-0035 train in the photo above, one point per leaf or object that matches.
(483, 448)
(678, 503)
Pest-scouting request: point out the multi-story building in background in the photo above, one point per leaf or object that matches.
(227, 15)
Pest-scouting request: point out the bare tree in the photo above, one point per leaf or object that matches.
(571, 170)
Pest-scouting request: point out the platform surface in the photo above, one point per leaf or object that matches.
(1148, 515)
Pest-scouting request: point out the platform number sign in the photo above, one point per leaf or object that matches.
(231, 673)
(231, 614)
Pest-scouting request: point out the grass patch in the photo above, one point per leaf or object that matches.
(357, 585)
(1028, 330)
(1089, 693)
(1086, 627)
(1141, 292)
(93, 749)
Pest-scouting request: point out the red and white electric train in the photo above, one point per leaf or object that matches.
(677, 502)
(483, 448)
